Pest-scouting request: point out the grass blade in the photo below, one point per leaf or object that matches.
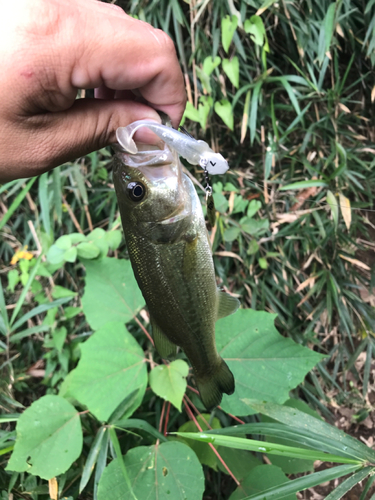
(265, 447)
(22, 297)
(302, 483)
(92, 458)
(17, 202)
(348, 484)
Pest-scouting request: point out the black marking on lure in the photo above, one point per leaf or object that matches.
(185, 132)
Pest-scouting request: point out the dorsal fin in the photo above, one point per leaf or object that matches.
(226, 304)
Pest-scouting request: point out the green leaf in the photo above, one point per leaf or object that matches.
(263, 264)
(210, 63)
(169, 381)
(13, 279)
(254, 227)
(77, 238)
(240, 462)
(59, 291)
(87, 250)
(258, 479)
(55, 255)
(113, 239)
(59, 336)
(303, 185)
(228, 28)
(231, 68)
(44, 201)
(254, 110)
(70, 255)
(264, 363)
(255, 28)
(191, 113)
(169, 470)
(70, 312)
(64, 242)
(224, 109)
(328, 29)
(203, 451)
(231, 233)
(253, 207)
(334, 205)
(111, 292)
(49, 438)
(99, 237)
(111, 367)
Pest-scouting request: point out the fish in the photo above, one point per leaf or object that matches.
(194, 151)
(171, 257)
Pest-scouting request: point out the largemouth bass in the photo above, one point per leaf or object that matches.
(171, 257)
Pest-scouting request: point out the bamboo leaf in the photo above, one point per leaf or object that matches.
(346, 210)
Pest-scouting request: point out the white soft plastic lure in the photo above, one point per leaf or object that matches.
(195, 152)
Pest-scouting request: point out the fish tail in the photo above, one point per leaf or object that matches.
(211, 387)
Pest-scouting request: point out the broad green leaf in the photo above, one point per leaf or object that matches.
(205, 80)
(13, 279)
(87, 250)
(203, 451)
(59, 291)
(231, 68)
(294, 418)
(49, 438)
(191, 113)
(253, 207)
(59, 336)
(113, 239)
(223, 108)
(210, 63)
(64, 242)
(99, 237)
(240, 462)
(231, 233)
(228, 27)
(303, 185)
(253, 226)
(333, 203)
(264, 363)
(111, 292)
(258, 480)
(169, 381)
(77, 238)
(204, 108)
(255, 28)
(55, 255)
(111, 367)
(169, 470)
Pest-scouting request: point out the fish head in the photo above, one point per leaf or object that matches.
(149, 185)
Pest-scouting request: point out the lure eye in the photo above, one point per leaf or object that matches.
(137, 191)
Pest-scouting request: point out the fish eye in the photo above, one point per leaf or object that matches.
(136, 191)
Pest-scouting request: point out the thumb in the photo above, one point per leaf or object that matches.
(88, 125)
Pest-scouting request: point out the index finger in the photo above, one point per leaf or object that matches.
(122, 53)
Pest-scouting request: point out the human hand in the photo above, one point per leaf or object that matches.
(51, 48)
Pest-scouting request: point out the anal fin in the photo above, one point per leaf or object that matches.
(226, 304)
(164, 346)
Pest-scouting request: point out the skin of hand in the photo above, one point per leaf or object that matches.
(51, 48)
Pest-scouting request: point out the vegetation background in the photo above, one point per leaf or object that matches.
(285, 91)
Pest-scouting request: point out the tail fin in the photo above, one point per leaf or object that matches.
(211, 387)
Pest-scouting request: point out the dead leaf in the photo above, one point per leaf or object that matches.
(229, 254)
(345, 210)
(53, 488)
(356, 262)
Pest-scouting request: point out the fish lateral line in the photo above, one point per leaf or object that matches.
(196, 152)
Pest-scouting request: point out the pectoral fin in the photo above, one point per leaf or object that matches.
(226, 304)
(164, 346)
